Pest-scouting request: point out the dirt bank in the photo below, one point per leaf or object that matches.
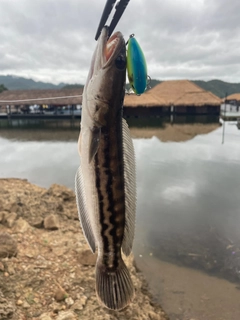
(46, 268)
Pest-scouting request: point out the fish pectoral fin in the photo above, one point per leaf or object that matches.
(129, 189)
(82, 210)
(94, 142)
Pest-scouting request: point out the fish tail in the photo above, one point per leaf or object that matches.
(114, 287)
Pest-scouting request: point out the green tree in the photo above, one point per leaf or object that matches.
(2, 88)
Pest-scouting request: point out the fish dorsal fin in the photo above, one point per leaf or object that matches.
(129, 189)
(82, 209)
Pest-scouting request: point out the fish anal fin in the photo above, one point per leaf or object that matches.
(82, 210)
(129, 188)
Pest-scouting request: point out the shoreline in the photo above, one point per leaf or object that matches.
(46, 268)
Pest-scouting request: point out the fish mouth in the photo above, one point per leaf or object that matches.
(113, 46)
(106, 52)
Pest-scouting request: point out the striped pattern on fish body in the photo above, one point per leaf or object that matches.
(105, 181)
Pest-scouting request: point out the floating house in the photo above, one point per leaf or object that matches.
(165, 99)
(233, 99)
(173, 97)
(17, 100)
(145, 105)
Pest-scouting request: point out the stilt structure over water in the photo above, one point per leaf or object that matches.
(173, 97)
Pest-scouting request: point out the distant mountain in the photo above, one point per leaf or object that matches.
(73, 86)
(218, 87)
(19, 83)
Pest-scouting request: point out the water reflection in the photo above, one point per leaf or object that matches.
(179, 128)
(193, 204)
(188, 214)
(188, 205)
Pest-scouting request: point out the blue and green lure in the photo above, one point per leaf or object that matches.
(136, 66)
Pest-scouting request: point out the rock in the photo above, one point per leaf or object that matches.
(26, 305)
(1, 266)
(10, 219)
(37, 222)
(21, 226)
(19, 302)
(11, 270)
(60, 294)
(13, 206)
(51, 222)
(2, 216)
(45, 316)
(66, 315)
(8, 246)
(154, 316)
(79, 304)
(69, 301)
(56, 307)
(7, 308)
(61, 192)
(47, 260)
(87, 258)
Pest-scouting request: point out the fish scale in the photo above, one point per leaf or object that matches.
(110, 186)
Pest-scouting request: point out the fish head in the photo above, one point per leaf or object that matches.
(105, 85)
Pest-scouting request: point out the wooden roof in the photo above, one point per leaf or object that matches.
(40, 96)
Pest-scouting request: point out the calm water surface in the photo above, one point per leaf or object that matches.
(188, 213)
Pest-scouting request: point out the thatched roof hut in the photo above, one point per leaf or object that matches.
(145, 100)
(234, 96)
(184, 93)
(49, 97)
(198, 99)
(173, 93)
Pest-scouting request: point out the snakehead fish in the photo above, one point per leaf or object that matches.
(105, 181)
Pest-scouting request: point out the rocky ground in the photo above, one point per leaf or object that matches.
(46, 269)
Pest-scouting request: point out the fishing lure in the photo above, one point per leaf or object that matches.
(136, 66)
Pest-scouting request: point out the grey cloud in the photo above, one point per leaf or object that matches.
(54, 40)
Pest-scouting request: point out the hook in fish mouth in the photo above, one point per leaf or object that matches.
(111, 47)
(106, 52)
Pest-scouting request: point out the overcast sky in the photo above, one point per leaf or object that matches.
(53, 40)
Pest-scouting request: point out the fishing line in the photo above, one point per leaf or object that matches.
(35, 99)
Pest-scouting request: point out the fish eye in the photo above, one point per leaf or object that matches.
(120, 62)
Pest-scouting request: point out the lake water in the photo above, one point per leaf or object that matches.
(188, 213)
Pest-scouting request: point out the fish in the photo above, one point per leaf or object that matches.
(105, 182)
